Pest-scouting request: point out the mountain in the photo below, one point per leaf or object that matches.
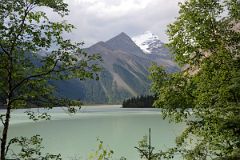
(155, 49)
(149, 43)
(125, 70)
(123, 42)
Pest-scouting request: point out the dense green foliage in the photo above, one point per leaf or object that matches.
(30, 149)
(139, 102)
(25, 31)
(205, 40)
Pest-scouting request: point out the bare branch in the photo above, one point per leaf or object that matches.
(20, 26)
(35, 76)
(4, 50)
(9, 144)
(1, 118)
(52, 70)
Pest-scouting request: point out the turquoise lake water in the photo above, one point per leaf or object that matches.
(76, 135)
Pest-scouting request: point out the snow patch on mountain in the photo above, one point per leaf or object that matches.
(148, 42)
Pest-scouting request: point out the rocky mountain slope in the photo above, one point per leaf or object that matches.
(125, 70)
(154, 48)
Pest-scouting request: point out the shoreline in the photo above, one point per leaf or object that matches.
(84, 107)
(58, 113)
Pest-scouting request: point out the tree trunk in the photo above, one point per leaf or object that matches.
(4, 133)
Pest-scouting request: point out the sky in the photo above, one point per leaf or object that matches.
(100, 20)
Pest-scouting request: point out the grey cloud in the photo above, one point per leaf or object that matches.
(92, 28)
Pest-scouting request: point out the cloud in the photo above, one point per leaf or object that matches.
(104, 9)
(99, 20)
(107, 9)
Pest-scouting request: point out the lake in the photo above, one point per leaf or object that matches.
(75, 135)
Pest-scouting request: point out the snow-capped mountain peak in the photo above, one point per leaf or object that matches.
(148, 42)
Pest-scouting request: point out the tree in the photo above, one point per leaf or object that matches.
(30, 149)
(26, 31)
(204, 39)
(139, 102)
(145, 148)
(102, 153)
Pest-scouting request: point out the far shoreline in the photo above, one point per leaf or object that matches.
(104, 106)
